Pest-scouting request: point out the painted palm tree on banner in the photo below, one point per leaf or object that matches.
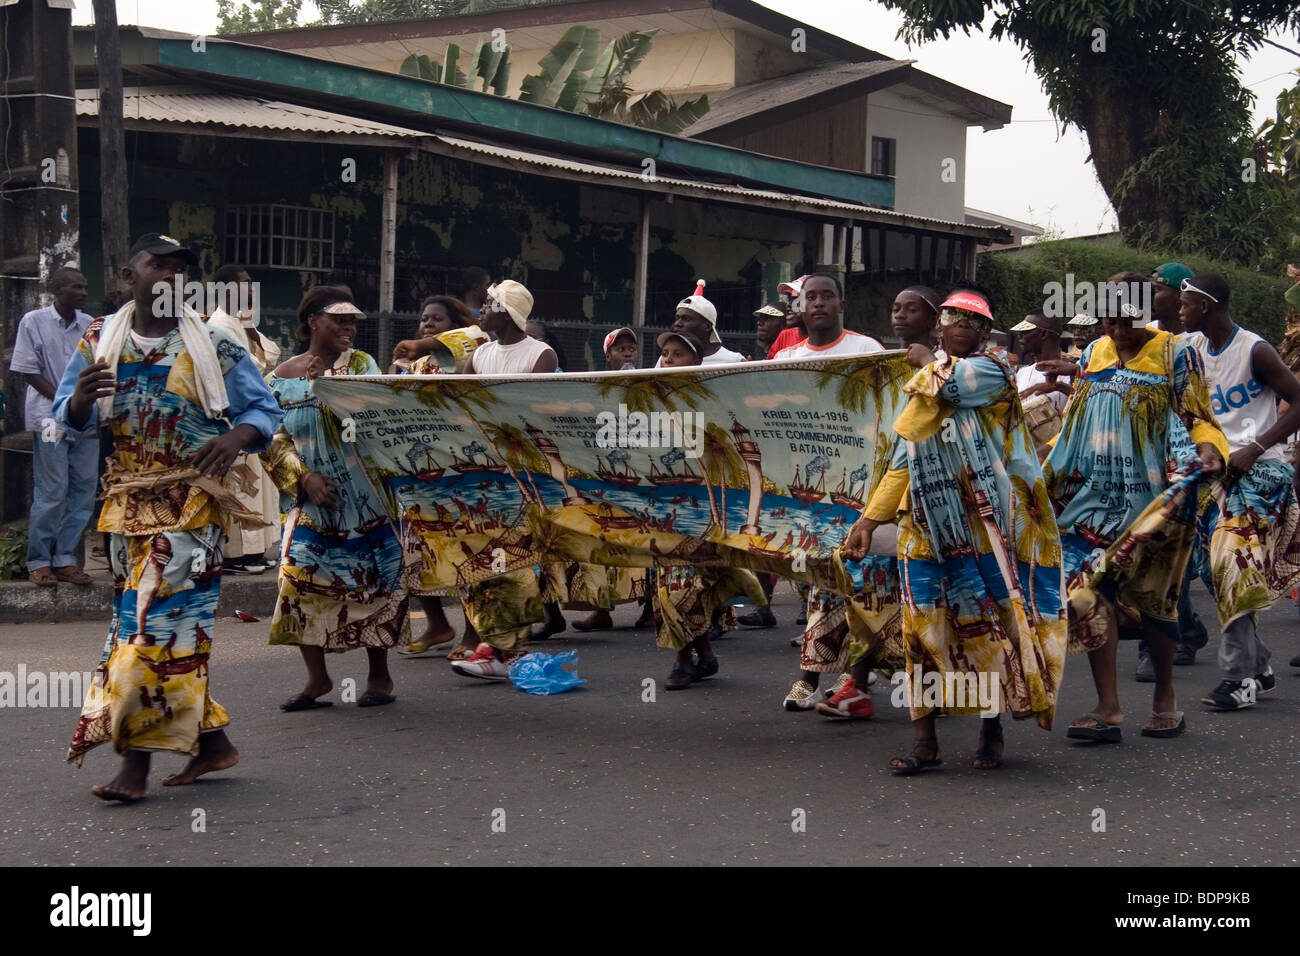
(723, 467)
(658, 393)
(473, 399)
(518, 451)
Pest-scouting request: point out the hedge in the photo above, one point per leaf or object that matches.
(1017, 279)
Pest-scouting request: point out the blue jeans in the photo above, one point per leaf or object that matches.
(65, 475)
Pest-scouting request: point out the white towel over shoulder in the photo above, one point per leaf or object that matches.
(208, 380)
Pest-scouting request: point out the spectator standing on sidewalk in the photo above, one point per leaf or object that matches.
(65, 469)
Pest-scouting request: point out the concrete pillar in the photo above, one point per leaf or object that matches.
(774, 273)
(39, 213)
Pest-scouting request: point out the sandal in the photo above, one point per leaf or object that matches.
(73, 575)
(986, 757)
(911, 763)
(461, 652)
(303, 702)
(375, 698)
(1163, 732)
(1099, 732)
(43, 577)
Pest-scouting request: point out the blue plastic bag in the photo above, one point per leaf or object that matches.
(541, 673)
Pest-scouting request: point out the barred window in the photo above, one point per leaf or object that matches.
(277, 236)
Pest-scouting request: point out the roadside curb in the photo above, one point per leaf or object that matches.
(22, 601)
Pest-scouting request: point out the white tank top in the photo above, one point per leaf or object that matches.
(1244, 406)
(517, 359)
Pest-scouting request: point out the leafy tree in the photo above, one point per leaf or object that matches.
(1155, 87)
(579, 76)
(244, 17)
(1281, 136)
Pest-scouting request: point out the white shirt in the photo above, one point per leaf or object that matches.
(1027, 375)
(723, 356)
(849, 343)
(1244, 406)
(44, 346)
(517, 359)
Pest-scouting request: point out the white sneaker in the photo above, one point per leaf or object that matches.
(802, 696)
(484, 665)
(838, 685)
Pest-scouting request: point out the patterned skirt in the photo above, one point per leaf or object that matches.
(150, 691)
(1248, 540)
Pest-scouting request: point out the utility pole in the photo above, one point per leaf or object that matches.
(115, 223)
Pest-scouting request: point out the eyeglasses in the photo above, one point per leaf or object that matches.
(1188, 287)
(951, 317)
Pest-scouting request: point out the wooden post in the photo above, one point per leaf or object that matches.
(387, 256)
(640, 280)
(115, 221)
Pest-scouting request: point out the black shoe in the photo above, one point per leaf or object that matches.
(681, 677)
(236, 566)
(763, 617)
(705, 669)
(802, 618)
(1266, 681)
(1146, 671)
(1233, 694)
(1295, 661)
(1184, 655)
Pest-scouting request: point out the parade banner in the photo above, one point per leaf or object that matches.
(761, 465)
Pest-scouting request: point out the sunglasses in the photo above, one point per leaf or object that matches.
(1188, 287)
(951, 317)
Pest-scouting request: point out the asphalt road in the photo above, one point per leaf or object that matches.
(468, 772)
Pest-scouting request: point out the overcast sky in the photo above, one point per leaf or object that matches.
(1028, 170)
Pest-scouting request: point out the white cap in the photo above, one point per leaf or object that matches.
(704, 308)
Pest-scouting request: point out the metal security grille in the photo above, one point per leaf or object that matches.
(277, 236)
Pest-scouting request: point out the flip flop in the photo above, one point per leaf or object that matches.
(1102, 732)
(375, 698)
(461, 652)
(425, 650)
(304, 702)
(1164, 732)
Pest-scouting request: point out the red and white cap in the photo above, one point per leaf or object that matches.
(968, 301)
(702, 307)
(614, 336)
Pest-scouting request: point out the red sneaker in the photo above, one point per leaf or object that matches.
(483, 664)
(848, 701)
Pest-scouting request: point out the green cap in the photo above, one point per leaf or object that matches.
(1293, 297)
(1172, 274)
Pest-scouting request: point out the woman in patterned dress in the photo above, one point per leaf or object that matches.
(1123, 476)
(979, 554)
(341, 567)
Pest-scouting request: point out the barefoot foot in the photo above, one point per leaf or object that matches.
(131, 781)
(214, 754)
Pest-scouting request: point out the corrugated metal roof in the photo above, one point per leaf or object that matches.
(753, 196)
(202, 108)
(743, 101)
